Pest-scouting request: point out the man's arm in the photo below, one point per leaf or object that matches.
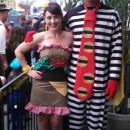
(115, 58)
(3, 46)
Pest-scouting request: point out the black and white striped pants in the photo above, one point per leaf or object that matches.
(93, 111)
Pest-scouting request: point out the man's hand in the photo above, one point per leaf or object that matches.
(111, 89)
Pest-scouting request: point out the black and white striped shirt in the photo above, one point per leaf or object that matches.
(108, 44)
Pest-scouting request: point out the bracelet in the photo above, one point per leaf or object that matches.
(26, 69)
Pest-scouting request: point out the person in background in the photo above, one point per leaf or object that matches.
(3, 18)
(29, 24)
(95, 63)
(17, 97)
(35, 19)
(39, 24)
(7, 31)
(11, 24)
(17, 36)
(2, 83)
(49, 87)
(22, 20)
(8, 27)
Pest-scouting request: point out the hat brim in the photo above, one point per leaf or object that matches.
(5, 9)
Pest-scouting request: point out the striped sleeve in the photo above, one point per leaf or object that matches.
(116, 49)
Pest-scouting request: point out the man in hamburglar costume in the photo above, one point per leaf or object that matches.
(95, 63)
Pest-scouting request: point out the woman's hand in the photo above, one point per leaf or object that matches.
(35, 74)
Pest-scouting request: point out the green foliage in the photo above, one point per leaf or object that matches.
(124, 9)
(123, 6)
(71, 3)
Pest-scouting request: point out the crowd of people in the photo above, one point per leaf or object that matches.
(78, 62)
(11, 33)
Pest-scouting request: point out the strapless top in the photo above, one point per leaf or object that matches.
(55, 53)
(53, 62)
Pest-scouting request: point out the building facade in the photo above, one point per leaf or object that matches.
(10, 3)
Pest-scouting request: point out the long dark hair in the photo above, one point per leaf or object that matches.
(17, 36)
(53, 8)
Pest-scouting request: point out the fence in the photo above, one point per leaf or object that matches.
(13, 98)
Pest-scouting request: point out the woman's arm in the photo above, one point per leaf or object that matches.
(22, 49)
(30, 42)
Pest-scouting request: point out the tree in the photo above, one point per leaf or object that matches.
(71, 3)
(123, 6)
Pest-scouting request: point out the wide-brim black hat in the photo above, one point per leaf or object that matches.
(3, 7)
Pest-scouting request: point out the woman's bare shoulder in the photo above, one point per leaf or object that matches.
(68, 33)
(69, 37)
(39, 37)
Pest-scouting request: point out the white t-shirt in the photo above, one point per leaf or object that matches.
(2, 38)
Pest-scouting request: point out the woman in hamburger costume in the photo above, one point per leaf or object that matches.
(49, 89)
